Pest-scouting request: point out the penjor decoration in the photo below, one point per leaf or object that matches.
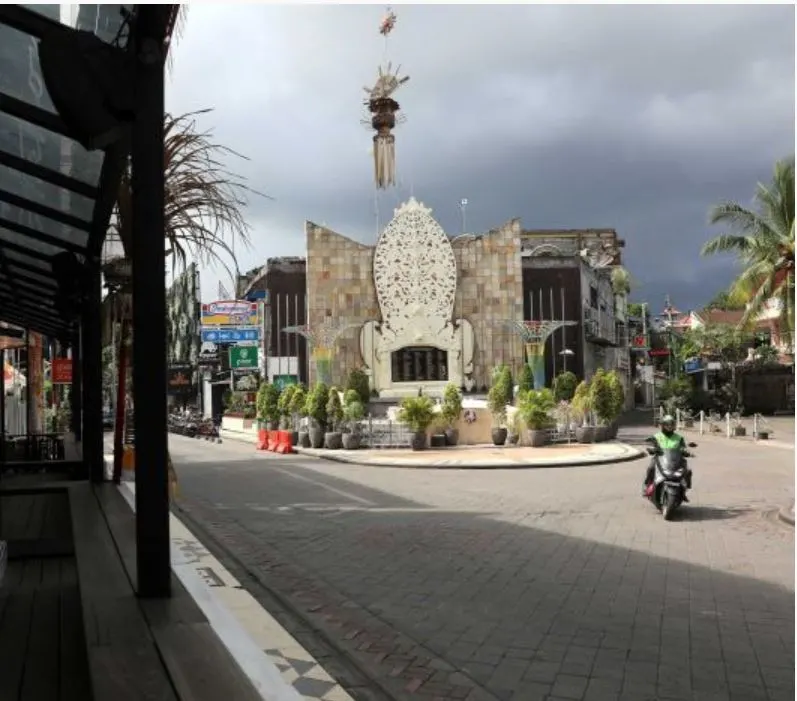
(383, 109)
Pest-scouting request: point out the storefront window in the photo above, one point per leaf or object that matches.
(419, 364)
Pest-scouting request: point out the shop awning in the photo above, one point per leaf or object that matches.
(56, 197)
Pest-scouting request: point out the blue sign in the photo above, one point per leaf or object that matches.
(693, 365)
(230, 335)
(258, 296)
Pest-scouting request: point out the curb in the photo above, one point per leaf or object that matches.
(630, 455)
(786, 514)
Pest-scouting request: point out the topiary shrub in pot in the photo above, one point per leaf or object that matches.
(353, 412)
(417, 413)
(536, 406)
(515, 425)
(316, 411)
(602, 403)
(499, 396)
(296, 408)
(358, 381)
(450, 412)
(268, 405)
(284, 407)
(333, 438)
(526, 381)
(564, 386)
(581, 408)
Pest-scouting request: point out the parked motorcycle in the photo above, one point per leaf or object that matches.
(668, 489)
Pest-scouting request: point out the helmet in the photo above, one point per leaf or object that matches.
(668, 421)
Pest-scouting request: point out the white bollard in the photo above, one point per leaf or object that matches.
(702, 414)
(755, 427)
(728, 424)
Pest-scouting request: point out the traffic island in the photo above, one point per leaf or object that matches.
(484, 457)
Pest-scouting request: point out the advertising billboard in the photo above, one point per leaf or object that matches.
(236, 313)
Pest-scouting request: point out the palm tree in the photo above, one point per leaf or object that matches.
(763, 239)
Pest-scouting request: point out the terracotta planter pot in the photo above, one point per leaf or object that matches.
(537, 437)
(499, 436)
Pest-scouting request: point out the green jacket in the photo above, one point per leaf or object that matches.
(672, 442)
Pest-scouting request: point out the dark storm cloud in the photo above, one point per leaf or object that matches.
(632, 117)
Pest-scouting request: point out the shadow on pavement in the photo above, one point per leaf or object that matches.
(528, 614)
(709, 513)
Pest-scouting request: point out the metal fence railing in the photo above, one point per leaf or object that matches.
(712, 423)
(41, 447)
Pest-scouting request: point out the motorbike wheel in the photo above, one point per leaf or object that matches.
(666, 506)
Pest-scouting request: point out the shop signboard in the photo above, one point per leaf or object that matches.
(243, 357)
(235, 313)
(61, 371)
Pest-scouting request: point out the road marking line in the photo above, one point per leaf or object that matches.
(317, 483)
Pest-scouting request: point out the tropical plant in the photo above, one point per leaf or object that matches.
(601, 396)
(358, 381)
(516, 423)
(417, 413)
(451, 409)
(617, 393)
(500, 394)
(582, 402)
(316, 404)
(620, 281)
(526, 381)
(353, 410)
(564, 386)
(334, 408)
(762, 237)
(536, 407)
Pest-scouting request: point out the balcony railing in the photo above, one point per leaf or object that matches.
(599, 327)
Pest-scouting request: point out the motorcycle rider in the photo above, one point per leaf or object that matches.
(667, 439)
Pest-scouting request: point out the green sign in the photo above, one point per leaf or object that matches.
(282, 381)
(243, 357)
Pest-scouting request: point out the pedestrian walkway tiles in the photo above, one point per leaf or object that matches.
(275, 662)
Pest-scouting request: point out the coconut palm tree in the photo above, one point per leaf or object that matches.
(762, 237)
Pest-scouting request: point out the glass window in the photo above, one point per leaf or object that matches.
(105, 21)
(38, 263)
(419, 364)
(44, 224)
(45, 281)
(29, 243)
(21, 77)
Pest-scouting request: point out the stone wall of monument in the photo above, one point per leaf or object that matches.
(490, 290)
(340, 291)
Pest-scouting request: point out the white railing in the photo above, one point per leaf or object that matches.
(729, 424)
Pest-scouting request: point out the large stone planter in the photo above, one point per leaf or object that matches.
(512, 438)
(452, 436)
(585, 434)
(351, 441)
(303, 440)
(418, 440)
(333, 440)
(602, 433)
(614, 427)
(316, 438)
(537, 437)
(499, 436)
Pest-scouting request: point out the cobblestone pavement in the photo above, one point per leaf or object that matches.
(513, 586)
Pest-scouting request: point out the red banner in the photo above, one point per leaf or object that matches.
(61, 371)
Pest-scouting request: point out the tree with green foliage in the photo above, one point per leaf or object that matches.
(334, 408)
(564, 386)
(451, 408)
(762, 237)
(358, 381)
(316, 405)
(526, 382)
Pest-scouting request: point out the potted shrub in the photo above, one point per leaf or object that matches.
(284, 407)
(333, 438)
(515, 426)
(269, 409)
(602, 403)
(564, 386)
(358, 381)
(296, 407)
(417, 413)
(498, 397)
(353, 412)
(739, 430)
(617, 393)
(581, 407)
(316, 411)
(536, 406)
(450, 412)
(437, 434)
(526, 381)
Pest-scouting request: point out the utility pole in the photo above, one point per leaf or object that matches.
(463, 204)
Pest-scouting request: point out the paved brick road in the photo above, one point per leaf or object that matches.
(518, 586)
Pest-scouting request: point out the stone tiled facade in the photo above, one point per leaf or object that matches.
(490, 289)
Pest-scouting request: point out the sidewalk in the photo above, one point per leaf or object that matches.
(485, 457)
(279, 667)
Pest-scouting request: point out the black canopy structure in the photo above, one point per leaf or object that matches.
(81, 95)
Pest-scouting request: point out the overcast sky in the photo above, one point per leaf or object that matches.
(632, 117)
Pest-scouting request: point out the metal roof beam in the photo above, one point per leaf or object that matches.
(33, 115)
(44, 211)
(49, 176)
(41, 237)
